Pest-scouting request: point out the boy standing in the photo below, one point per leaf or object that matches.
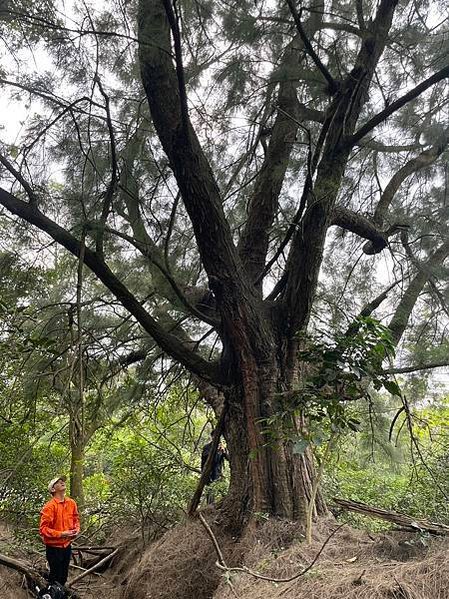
(59, 525)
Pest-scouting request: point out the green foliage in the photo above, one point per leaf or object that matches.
(401, 474)
(143, 473)
(338, 373)
(373, 483)
(28, 461)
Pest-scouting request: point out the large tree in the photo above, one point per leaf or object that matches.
(216, 149)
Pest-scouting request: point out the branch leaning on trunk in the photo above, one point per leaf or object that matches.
(169, 343)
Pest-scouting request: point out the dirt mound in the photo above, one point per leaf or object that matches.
(181, 565)
(353, 565)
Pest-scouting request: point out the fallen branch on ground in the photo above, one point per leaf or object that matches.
(245, 570)
(93, 548)
(75, 567)
(89, 556)
(92, 570)
(405, 522)
(221, 562)
(34, 578)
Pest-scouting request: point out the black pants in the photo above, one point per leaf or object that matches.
(58, 559)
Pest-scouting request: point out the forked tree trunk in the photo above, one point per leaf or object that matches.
(266, 475)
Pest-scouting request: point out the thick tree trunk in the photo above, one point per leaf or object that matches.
(267, 477)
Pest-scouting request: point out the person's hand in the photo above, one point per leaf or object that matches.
(69, 534)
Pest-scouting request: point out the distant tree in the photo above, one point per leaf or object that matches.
(210, 216)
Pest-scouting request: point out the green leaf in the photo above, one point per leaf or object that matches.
(392, 387)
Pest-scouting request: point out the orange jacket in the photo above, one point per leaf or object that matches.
(57, 516)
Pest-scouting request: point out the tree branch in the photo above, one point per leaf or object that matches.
(111, 188)
(53, 99)
(368, 309)
(404, 309)
(145, 244)
(378, 146)
(364, 227)
(332, 84)
(360, 225)
(148, 250)
(396, 105)
(168, 342)
(307, 247)
(207, 469)
(263, 205)
(342, 27)
(417, 367)
(234, 293)
(94, 568)
(18, 176)
(31, 573)
(424, 159)
(173, 19)
(360, 16)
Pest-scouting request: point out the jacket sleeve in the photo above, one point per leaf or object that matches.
(47, 522)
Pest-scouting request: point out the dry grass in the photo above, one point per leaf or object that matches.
(354, 565)
(10, 581)
(181, 565)
(10, 585)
